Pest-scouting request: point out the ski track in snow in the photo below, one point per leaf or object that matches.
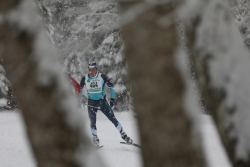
(15, 150)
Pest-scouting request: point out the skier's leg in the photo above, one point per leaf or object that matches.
(92, 117)
(106, 109)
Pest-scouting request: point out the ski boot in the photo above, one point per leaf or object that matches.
(96, 141)
(127, 139)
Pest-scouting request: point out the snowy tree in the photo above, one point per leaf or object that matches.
(151, 44)
(54, 125)
(241, 11)
(222, 65)
(7, 99)
(89, 30)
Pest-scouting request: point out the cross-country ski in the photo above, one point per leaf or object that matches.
(132, 144)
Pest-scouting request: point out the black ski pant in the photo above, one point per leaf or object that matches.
(93, 107)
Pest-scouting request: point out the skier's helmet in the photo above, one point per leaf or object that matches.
(92, 64)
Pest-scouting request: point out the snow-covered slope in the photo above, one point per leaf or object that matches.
(15, 150)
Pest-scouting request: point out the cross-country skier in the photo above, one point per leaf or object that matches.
(95, 85)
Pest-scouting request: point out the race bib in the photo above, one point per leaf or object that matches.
(94, 85)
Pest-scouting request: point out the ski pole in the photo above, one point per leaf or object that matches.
(94, 107)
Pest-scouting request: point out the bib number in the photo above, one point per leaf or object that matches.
(94, 86)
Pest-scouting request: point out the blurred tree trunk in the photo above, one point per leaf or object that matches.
(54, 142)
(150, 44)
(214, 98)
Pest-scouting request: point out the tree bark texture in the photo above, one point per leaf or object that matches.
(54, 143)
(157, 87)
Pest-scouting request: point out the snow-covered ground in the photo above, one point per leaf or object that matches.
(14, 147)
(215, 153)
(15, 150)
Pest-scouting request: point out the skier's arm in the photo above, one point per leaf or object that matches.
(110, 85)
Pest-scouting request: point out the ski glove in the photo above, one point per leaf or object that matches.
(112, 102)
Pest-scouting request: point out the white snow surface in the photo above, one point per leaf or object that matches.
(15, 149)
